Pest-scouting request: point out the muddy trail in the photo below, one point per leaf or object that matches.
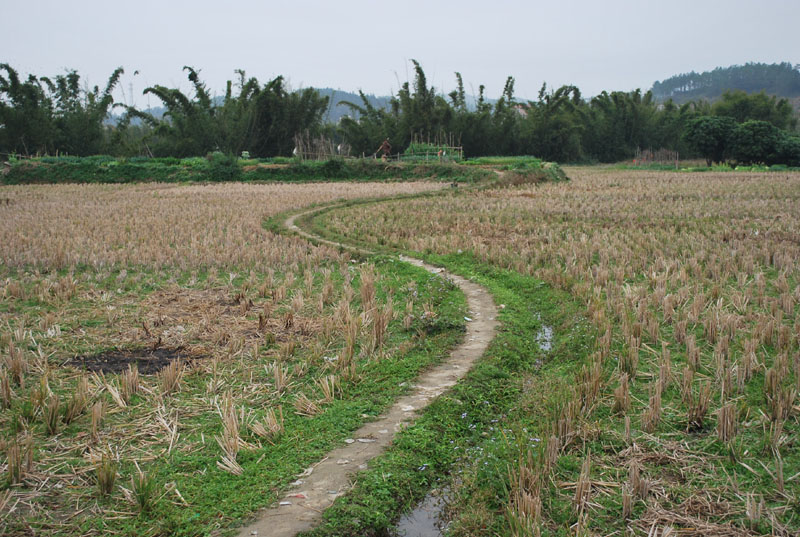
(315, 490)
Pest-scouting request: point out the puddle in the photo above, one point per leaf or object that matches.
(545, 338)
(426, 518)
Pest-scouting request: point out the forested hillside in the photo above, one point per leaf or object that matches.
(781, 79)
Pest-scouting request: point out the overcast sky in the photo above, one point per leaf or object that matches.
(356, 44)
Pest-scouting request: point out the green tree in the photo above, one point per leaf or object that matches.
(553, 126)
(778, 79)
(755, 142)
(26, 115)
(235, 118)
(367, 127)
(188, 127)
(506, 136)
(788, 150)
(260, 119)
(668, 126)
(416, 110)
(80, 114)
(278, 115)
(758, 106)
(617, 123)
(709, 136)
(44, 115)
(476, 128)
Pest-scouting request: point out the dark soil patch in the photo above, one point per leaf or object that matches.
(148, 361)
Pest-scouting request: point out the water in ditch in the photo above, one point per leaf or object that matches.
(426, 520)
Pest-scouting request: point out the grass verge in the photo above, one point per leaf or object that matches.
(467, 435)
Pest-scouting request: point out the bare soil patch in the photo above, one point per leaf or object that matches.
(148, 361)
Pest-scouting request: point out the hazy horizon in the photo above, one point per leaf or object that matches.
(618, 45)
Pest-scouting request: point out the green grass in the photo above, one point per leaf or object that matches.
(217, 499)
(470, 434)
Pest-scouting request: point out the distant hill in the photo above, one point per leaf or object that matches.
(781, 79)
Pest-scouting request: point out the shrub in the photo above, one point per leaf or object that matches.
(222, 167)
(334, 168)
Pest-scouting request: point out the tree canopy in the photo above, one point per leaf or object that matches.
(41, 115)
(262, 120)
(44, 115)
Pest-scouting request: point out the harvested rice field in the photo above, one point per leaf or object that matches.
(172, 361)
(168, 365)
(680, 417)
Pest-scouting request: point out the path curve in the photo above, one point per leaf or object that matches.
(316, 489)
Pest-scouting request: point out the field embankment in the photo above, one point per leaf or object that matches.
(222, 168)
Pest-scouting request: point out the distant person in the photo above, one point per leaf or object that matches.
(385, 149)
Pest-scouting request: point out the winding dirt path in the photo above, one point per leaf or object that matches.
(316, 489)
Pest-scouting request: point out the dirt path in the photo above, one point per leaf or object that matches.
(314, 491)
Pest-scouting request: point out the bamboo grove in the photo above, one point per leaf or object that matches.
(42, 115)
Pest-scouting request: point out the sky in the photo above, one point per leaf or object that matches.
(368, 45)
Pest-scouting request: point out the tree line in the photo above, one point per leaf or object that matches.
(41, 115)
(774, 79)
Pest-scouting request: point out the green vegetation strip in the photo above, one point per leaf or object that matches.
(713, 168)
(479, 425)
(470, 434)
(218, 167)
